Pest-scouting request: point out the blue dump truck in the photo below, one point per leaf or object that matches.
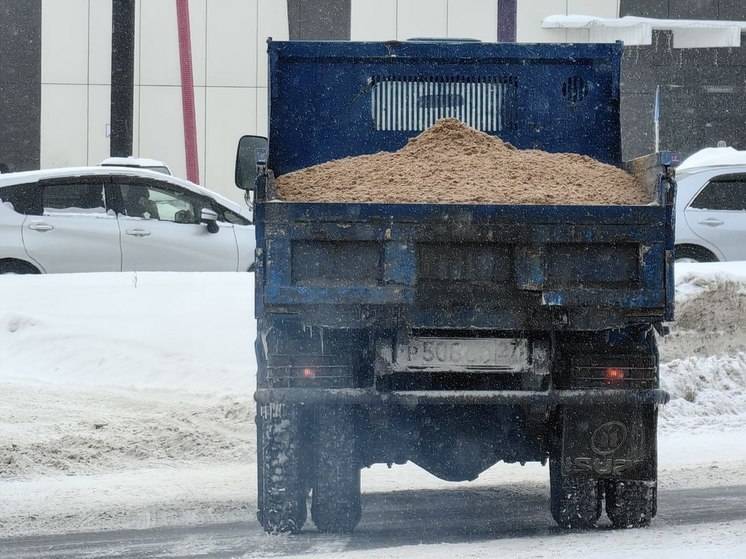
(454, 336)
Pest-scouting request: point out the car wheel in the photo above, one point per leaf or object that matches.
(692, 253)
(17, 267)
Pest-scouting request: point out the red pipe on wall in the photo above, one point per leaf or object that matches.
(187, 90)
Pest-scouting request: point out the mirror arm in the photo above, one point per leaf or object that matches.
(261, 168)
(261, 173)
(260, 185)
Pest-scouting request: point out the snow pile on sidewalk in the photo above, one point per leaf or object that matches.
(107, 372)
(187, 332)
(705, 391)
(62, 430)
(704, 358)
(710, 313)
(695, 278)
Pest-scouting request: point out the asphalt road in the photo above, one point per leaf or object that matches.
(389, 520)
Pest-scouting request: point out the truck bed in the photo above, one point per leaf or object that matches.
(470, 266)
(499, 267)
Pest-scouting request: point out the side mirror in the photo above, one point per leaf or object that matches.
(251, 160)
(210, 218)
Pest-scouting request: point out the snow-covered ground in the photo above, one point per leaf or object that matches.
(185, 332)
(125, 402)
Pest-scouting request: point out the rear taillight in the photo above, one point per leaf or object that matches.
(289, 371)
(614, 371)
(614, 375)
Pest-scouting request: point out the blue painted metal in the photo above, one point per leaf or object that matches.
(531, 232)
(320, 95)
(321, 109)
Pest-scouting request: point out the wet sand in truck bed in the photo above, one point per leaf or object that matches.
(453, 163)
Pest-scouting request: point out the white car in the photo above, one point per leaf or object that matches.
(711, 206)
(111, 219)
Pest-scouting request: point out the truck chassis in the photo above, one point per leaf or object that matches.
(326, 409)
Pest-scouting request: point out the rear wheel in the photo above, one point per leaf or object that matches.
(335, 506)
(576, 502)
(281, 485)
(631, 504)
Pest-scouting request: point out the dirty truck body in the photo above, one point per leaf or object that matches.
(455, 336)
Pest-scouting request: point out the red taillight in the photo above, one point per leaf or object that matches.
(309, 373)
(613, 375)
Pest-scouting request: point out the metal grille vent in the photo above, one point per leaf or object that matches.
(574, 89)
(413, 104)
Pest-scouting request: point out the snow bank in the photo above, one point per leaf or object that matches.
(705, 391)
(709, 319)
(704, 358)
(107, 372)
(62, 430)
(190, 332)
(694, 278)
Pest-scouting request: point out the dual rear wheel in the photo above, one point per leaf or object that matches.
(576, 502)
(292, 459)
(302, 451)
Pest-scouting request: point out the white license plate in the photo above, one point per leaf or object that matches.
(463, 354)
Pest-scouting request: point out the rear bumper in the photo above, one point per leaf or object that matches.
(372, 398)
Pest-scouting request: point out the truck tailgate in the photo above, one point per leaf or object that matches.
(477, 266)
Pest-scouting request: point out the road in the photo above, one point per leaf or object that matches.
(390, 520)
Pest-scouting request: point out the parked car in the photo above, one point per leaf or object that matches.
(102, 219)
(137, 162)
(711, 206)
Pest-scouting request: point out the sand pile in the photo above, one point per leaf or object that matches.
(453, 163)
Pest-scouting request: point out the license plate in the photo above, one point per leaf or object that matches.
(463, 354)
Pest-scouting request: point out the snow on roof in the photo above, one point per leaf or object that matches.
(687, 33)
(127, 161)
(712, 157)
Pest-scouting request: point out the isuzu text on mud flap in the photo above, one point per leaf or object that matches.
(540, 346)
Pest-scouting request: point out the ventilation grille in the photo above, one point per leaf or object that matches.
(574, 89)
(413, 104)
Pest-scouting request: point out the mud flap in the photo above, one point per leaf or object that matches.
(611, 443)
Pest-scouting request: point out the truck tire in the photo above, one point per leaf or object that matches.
(576, 502)
(631, 504)
(335, 505)
(281, 491)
